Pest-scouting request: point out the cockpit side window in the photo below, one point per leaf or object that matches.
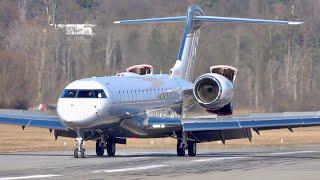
(69, 93)
(100, 94)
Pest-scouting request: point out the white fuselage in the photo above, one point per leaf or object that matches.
(124, 96)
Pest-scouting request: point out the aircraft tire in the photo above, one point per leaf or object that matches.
(83, 153)
(75, 153)
(99, 149)
(192, 148)
(180, 150)
(111, 147)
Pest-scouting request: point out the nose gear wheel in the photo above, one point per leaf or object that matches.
(79, 151)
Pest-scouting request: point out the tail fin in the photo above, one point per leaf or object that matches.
(193, 20)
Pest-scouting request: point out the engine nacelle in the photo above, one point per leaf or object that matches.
(213, 91)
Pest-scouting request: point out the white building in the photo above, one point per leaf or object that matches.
(76, 29)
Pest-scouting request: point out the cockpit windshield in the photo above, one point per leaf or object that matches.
(81, 93)
(70, 93)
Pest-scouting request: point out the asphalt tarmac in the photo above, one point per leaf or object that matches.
(250, 163)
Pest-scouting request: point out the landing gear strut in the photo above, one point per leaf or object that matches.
(79, 151)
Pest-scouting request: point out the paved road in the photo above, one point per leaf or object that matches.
(252, 163)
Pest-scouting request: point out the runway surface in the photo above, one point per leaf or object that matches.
(250, 163)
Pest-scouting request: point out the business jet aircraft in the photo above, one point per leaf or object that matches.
(140, 104)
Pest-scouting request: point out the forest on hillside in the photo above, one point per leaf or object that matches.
(278, 66)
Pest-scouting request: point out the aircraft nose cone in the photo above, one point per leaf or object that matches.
(78, 119)
(77, 115)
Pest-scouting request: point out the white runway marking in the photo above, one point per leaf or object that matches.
(30, 177)
(218, 159)
(131, 158)
(130, 169)
(134, 158)
(293, 152)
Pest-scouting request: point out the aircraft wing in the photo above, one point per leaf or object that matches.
(264, 121)
(30, 118)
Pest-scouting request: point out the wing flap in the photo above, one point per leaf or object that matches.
(29, 118)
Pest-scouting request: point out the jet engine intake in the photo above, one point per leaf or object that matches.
(213, 91)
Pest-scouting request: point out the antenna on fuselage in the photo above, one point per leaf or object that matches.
(193, 20)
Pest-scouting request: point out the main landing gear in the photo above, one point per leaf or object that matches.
(109, 144)
(184, 144)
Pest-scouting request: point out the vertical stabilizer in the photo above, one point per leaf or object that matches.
(185, 63)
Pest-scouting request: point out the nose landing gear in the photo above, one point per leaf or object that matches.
(79, 151)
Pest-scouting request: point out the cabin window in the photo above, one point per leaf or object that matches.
(137, 95)
(124, 96)
(131, 95)
(127, 96)
(147, 95)
(145, 92)
(142, 95)
(151, 94)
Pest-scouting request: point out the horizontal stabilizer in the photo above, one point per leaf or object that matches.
(214, 19)
(153, 20)
(218, 19)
